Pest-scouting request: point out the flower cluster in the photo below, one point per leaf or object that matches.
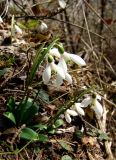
(77, 108)
(61, 67)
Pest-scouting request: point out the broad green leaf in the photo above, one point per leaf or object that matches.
(40, 126)
(42, 137)
(3, 71)
(28, 134)
(66, 157)
(38, 60)
(11, 104)
(26, 111)
(65, 145)
(43, 95)
(10, 116)
(58, 123)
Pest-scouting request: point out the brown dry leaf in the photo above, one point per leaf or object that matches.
(12, 130)
(89, 140)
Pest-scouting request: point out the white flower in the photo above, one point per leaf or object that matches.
(68, 115)
(79, 110)
(18, 29)
(47, 72)
(55, 52)
(1, 20)
(95, 105)
(76, 109)
(68, 56)
(62, 64)
(62, 3)
(43, 27)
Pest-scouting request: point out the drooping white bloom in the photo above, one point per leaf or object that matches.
(43, 27)
(74, 111)
(18, 29)
(79, 110)
(62, 64)
(55, 52)
(47, 72)
(62, 3)
(68, 56)
(1, 20)
(95, 105)
(68, 115)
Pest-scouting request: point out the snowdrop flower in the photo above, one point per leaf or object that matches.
(18, 29)
(76, 109)
(43, 27)
(1, 20)
(52, 66)
(67, 56)
(96, 106)
(68, 115)
(62, 3)
(62, 64)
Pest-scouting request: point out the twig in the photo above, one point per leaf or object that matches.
(102, 126)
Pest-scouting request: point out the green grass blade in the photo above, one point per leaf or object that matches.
(38, 60)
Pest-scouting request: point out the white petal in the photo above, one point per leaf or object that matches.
(1, 20)
(58, 69)
(66, 56)
(71, 112)
(78, 60)
(98, 97)
(67, 117)
(55, 52)
(47, 74)
(59, 80)
(86, 102)
(98, 108)
(43, 27)
(18, 29)
(68, 78)
(62, 3)
(79, 109)
(62, 64)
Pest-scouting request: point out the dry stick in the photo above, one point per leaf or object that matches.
(98, 15)
(75, 25)
(94, 54)
(69, 30)
(103, 4)
(102, 126)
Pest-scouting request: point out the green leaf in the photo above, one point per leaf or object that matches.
(58, 123)
(3, 71)
(28, 134)
(78, 134)
(38, 60)
(43, 95)
(42, 137)
(66, 157)
(40, 126)
(32, 24)
(11, 104)
(103, 136)
(65, 145)
(10, 116)
(25, 111)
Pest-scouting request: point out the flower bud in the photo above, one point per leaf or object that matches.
(50, 59)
